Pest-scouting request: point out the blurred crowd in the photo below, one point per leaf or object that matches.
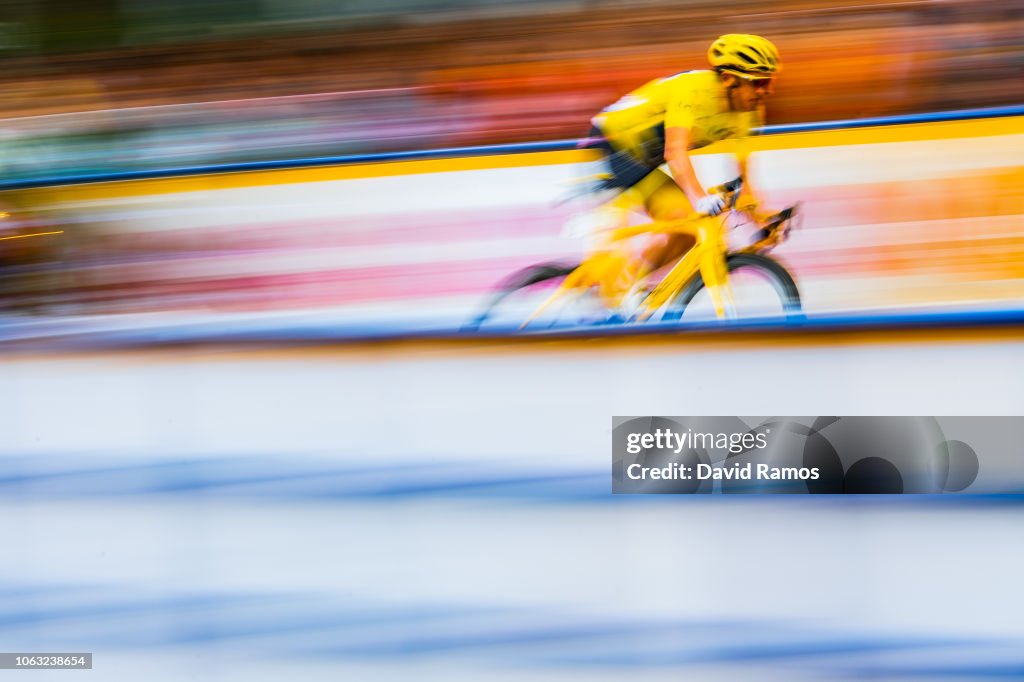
(448, 74)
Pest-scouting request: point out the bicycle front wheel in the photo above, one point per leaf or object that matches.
(761, 287)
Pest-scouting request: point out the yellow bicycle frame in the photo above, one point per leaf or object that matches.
(707, 257)
(604, 269)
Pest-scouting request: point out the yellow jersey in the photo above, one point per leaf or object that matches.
(693, 99)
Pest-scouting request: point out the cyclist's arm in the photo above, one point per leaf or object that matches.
(742, 156)
(750, 191)
(742, 149)
(677, 155)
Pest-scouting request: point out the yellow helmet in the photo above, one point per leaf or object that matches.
(745, 53)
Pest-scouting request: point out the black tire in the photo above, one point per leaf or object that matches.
(768, 268)
(516, 282)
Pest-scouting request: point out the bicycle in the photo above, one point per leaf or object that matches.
(707, 267)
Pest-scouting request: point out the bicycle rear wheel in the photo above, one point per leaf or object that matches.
(522, 293)
(761, 286)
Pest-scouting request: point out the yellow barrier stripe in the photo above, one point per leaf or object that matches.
(918, 132)
(238, 180)
(34, 234)
(1012, 125)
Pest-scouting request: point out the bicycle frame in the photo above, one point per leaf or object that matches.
(708, 257)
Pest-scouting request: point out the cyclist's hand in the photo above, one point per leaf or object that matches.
(711, 204)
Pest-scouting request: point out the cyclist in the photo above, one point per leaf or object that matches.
(664, 120)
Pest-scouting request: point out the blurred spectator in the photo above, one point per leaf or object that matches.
(196, 83)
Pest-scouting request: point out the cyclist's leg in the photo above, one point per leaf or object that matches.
(668, 202)
(622, 173)
(664, 201)
(610, 265)
(621, 278)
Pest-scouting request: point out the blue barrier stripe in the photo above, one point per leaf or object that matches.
(961, 671)
(290, 164)
(297, 630)
(100, 339)
(682, 655)
(291, 482)
(483, 150)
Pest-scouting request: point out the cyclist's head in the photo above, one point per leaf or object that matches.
(747, 65)
(745, 54)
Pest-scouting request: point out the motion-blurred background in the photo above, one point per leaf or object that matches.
(907, 216)
(145, 82)
(187, 508)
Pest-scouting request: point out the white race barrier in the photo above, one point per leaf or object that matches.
(907, 217)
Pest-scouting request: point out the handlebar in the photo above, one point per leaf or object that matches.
(766, 238)
(732, 187)
(730, 190)
(775, 231)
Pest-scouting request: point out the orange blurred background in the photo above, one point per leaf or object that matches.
(534, 71)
